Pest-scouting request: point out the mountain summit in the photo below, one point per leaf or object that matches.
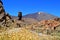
(40, 16)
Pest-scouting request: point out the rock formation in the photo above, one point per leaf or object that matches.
(20, 15)
(57, 19)
(5, 18)
(2, 11)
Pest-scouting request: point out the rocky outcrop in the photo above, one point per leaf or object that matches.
(2, 11)
(50, 23)
(5, 18)
(57, 19)
(19, 15)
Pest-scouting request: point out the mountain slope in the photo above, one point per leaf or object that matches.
(40, 16)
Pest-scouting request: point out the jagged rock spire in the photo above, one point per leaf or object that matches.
(2, 11)
(1, 7)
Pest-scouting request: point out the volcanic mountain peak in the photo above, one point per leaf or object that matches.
(40, 12)
(40, 16)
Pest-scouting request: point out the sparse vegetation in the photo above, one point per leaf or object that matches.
(24, 34)
(19, 34)
(28, 28)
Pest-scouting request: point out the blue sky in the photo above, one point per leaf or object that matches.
(32, 6)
